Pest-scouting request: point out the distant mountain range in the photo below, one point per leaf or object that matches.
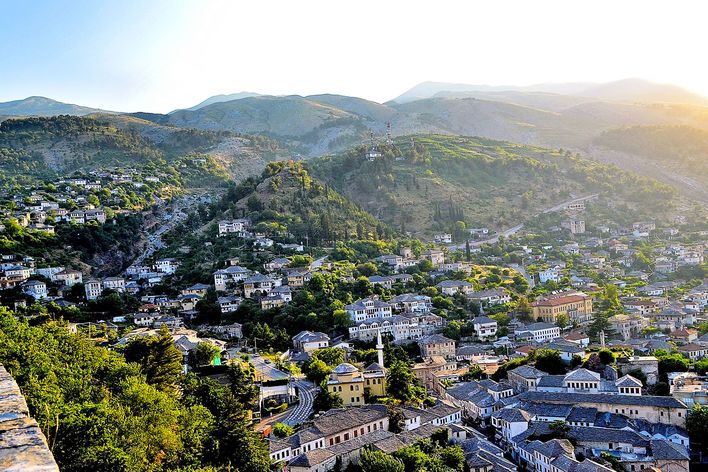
(572, 116)
(42, 106)
(628, 90)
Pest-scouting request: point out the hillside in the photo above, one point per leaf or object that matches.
(481, 182)
(42, 146)
(678, 152)
(287, 199)
(42, 106)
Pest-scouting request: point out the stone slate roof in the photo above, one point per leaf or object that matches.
(528, 372)
(311, 458)
(551, 381)
(579, 413)
(582, 375)
(573, 398)
(666, 450)
(512, 415)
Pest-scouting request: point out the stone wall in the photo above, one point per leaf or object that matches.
(23, 447)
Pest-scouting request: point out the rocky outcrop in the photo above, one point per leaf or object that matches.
(23, 447)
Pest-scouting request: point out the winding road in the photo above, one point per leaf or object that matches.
(515, 229)
(303, 410)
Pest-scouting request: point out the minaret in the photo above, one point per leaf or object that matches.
(379, 348)
(602, 338)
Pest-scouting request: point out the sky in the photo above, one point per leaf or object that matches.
(159, 55)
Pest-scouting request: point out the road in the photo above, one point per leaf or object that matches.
(520, 269)
(266, 369)
(515, 229)
(303, 410)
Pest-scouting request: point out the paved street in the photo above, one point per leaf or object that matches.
(266, 369)
(303, 410)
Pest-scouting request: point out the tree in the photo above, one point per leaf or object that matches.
(549, 361)
(403, 385)
(396, 420)
(283, 430)
(341, 319)
(205, 353)
(606, 356)
(562, 321)
(697, 427)
(325, 400)
(158, 358)
(316, 370)
(377, 461)
(559, 429)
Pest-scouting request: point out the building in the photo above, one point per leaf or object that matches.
(35, 288)
(494, 296)
(649, 365)
(654, 409)
(68, 277)
(551, 274)
(308, 341)
(259, 285)
(435, 256)
(451, 287)
(577, 306)
(437, 345)
(239, 227)
(93, 289)
(233, 274)
(484, 327)
(166, 265)
(368, 308)
(538, 332)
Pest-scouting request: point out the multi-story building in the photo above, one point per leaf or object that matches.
(308, 341)
(538, 332)
(93, 289)
(437, 345)
(435, 256)
(484, 327)
(368, 308)
(577, 306)
(231, 275)
(259, 284)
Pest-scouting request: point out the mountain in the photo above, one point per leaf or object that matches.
(426, 184)
(678, 154)
(638, 90)
(221, 98)
(628, 90)
(42, 106)
(42, 146)
(432, 89)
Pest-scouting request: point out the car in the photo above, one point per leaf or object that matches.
(268, 361)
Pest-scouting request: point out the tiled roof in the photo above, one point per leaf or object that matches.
(573, 398)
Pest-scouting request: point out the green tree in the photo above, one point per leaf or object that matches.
(559, 429)
(697, 427)
(158, 358)
(283, 430)
(403, 385)
(549, 361)
(205, 353)
(377, 461)
(325, 400)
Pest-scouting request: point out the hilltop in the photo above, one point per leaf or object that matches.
(439, 180)
(43, 106)
(285, 198)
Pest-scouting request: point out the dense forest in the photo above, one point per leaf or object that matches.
(100, 412)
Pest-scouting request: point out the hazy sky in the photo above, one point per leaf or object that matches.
(158, 55)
